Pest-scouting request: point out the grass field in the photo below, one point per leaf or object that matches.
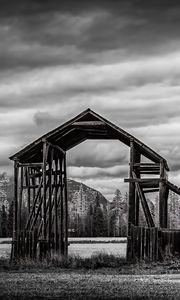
(83, 247)
(88, 278)
(103, 284)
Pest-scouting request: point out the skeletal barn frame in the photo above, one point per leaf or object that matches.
(40, 174)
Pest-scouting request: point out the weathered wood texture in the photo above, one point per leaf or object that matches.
(40, 188)
(45, 206)
(143, 243)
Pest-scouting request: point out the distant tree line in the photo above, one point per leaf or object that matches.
(101, 220)
(6, 221)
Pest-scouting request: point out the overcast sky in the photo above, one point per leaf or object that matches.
(120, 58)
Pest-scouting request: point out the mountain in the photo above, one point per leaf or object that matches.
(81, 196)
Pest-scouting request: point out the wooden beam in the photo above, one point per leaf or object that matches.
(15, 211)
(143, 180)
(62, 151)
(173, 187)
(146, 165)
(145, 207)
(137, 158)
(55, 206)
(133, 198)
(38, 164)
(65, 210)
(45, 155)
(149, 184)
(131, 215)
(20, 197)
(61, 229)
(163, 197)
(27, 180)
(50, 196)
(155, 172)
(88, 123)
(151, 191)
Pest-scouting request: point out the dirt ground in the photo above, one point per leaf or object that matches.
(87, 284)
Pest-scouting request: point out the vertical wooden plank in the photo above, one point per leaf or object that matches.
(163, 198)
(65, 210)
(15, 211)
(50, 197)
(145, 238)
(44, 188)
(55, 207)
(28, 189)
(137, 159)
(61, 241)
(156, 245)
(131, 215)
(23, 250)
(33, 179)
(131, 243)
(133, 206)
(20, 197)
(136, 208)
(153, 241)
(27, 243)
(143, 241)
(147, 244)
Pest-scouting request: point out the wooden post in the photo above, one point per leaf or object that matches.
(163, 198)
(65, 210)
(133, 207)
(133, 200)
(131, 215)
(55, 207)
(28, 189)
(61, 229)
(20, 198)
(45, 154)
(15, 211)
(50, 197)
(137, 159)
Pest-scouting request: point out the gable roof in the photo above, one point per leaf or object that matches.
(87, 125)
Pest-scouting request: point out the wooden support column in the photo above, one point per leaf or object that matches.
(50, 197)
(28, 189)
(20, 197)
(133, 197)
(163, 198)
(45, 154)
(15, 212)
(133, 207)
(55, 206)
(61, 229)
(137, 159)
(65, 211)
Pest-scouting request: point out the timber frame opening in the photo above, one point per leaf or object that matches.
(40, 183)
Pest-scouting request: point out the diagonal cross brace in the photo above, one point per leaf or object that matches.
(145, 206)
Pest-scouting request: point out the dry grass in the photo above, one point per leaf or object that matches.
(86, 284)
(99, 260)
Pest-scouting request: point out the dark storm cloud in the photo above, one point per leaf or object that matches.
(121, 58)
(38, 33)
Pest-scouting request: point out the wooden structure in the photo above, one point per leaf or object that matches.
(40, 183)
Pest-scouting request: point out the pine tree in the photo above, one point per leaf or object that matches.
(98, 219)
(4, 223)
(10, 220)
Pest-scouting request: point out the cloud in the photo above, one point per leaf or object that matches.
(101, 154)
(89, 172)
(121, 58)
